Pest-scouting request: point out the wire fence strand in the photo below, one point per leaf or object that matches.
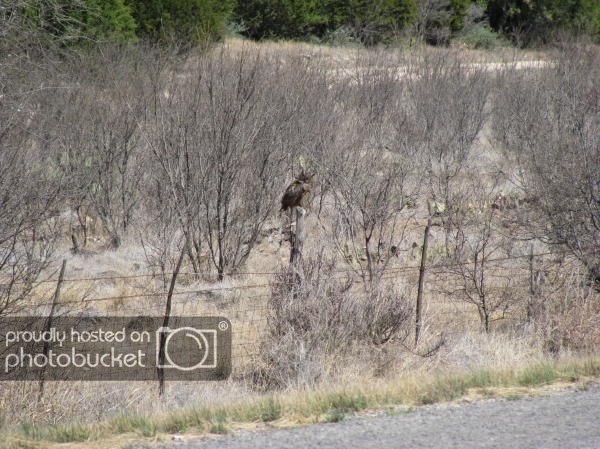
(407, 268)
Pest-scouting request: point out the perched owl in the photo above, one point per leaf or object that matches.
(296, 191)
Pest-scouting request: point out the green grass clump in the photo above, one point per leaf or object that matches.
(62, 433)
(443, 389)
(349, 402)
(182, 420)
(265, 410)
(133, 422)
(541, 374)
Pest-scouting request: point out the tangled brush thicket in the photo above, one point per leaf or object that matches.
(314, 327)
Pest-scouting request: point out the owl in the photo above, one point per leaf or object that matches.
(297, 191)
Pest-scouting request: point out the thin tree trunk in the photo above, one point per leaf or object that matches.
(190, 253)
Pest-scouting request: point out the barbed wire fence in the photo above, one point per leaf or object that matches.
(246, 304)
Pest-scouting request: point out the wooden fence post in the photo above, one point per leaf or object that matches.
(163, 337)
(297, 240)
(48, 324)
(418, 320)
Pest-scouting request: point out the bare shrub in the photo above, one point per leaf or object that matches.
(374, 172)
(29, 191)
(477, 250)
(447, 111)
(98, 135)
(215, 143)
(26, 238)
(160, 234)
(326, 320)
(565, 312)
(573, 322)
(550, 123)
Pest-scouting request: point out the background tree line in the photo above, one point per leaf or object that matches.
(191, 22)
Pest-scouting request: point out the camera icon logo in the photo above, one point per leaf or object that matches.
(187, 348)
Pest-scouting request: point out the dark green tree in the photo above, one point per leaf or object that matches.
(370, 21)
(188, 22)
(109, 20)
(287, 19)
(536, 20)
(458, 9)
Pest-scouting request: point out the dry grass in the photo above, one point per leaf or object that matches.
(331, 403)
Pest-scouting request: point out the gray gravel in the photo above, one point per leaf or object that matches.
(565, 420)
